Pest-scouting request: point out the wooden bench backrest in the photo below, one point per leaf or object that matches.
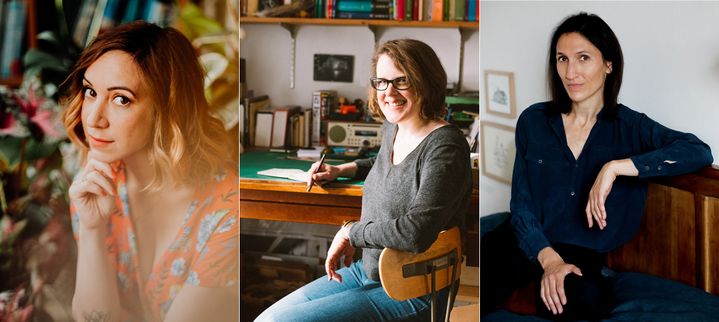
(679, 235)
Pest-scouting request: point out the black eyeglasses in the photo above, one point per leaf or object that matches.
(381, 84)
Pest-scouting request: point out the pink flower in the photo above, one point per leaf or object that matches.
(37, 111)
(9, 125)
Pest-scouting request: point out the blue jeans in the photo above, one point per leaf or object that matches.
(357, 298)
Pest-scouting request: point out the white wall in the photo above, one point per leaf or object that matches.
(266, 49)
(671, 55)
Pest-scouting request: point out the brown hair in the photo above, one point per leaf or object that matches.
(424, 71)
(188, 144)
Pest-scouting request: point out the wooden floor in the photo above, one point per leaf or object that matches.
(466, 308)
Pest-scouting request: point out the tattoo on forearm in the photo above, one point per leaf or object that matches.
(96, 316)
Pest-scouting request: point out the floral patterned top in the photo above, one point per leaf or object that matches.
(204, 252)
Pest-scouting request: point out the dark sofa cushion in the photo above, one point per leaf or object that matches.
(642, 297)
(637, 296)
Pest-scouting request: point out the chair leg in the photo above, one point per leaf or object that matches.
(433, 305)
(450, 296)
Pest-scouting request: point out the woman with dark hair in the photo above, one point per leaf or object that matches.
(418, 185)
(578, 186)
(154, 207)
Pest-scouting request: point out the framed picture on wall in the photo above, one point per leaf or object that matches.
(333, 68)
(499, 87)
(498, 151)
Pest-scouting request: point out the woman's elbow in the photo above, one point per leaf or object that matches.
(420, 243)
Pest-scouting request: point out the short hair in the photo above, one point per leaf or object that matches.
(188, 144)
(424, 71)
(595, 30)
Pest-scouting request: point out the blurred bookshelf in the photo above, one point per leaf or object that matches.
(360, 22)
(18, 30)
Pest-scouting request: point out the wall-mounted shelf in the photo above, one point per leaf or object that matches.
(361, 22)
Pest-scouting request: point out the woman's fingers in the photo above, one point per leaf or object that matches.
(554, 295)
(102, 167)
(590, 217)
(102, 181)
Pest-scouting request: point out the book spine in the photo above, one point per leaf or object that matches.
(252, 6)
(400, 10)
(131, 12)
(12, 38)
(82, 23)
(363, 15)
(307, 128)
(316, 118)
(420, 11)
(460, 10)
(359, 6)
(437, 8)
(415, 9)
(409, 5)
(472, 10)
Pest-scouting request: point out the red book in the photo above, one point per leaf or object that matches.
(399, 13)
(415, 10)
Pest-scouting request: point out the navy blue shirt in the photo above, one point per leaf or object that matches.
(550, 188)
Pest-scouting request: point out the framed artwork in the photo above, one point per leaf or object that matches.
(498, 151)
(333, 68)
(499, 87)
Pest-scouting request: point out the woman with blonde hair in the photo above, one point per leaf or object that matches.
(154, 206)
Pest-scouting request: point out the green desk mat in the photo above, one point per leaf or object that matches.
(253, 161)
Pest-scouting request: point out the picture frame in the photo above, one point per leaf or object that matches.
(498, 151)
(333, 68)
(499, 89)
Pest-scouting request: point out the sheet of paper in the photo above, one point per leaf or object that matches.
(292, 174)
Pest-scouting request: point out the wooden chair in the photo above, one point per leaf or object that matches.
(406, 275)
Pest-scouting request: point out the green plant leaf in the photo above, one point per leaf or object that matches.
(37, 58)
(51, 37)
(197, 23)
(10, 151)
(37, 150)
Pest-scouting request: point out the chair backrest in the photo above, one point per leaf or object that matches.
(406, 275)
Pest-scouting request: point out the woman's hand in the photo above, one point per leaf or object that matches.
(325, 173)
(598, 195)
(92, 194)
(340, 246)
(595, 209)
(552, 285)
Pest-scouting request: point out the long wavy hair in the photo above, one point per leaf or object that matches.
(188, 144)
(424, 71)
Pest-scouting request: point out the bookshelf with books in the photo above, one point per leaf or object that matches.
(18, 30)
(469, 25)
(395, 10)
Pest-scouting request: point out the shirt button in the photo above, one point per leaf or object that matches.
(540, 161)
(576, 165)
(646, 167)
(659, 168)
(571, 193)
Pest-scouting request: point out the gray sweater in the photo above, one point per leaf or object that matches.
(405, 206)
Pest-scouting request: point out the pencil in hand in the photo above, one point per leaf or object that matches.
(311, 181)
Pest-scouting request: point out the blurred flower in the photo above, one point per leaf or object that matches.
(35, 237)
(27, 112)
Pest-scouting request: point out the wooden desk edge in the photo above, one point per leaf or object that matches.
(291, 186)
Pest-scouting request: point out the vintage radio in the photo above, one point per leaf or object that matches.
(354, 134)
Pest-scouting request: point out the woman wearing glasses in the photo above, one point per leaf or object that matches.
(418, 185)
